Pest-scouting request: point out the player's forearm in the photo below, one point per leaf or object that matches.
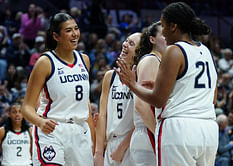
(146, 114)
(30, 115)
(126, 142)
(100, 135)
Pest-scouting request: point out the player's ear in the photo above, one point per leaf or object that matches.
(55, 36)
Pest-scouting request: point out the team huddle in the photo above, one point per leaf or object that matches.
(156, 107)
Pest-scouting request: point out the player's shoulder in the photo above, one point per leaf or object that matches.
(84, 55)
(2, 132)
(43, 60)
(149, 61)
(109, 73)
(108, 76)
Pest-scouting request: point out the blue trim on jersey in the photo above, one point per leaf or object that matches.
(146, 55)
(149, 55)
(214, 63)
(75, 59)
(186, 61)
(6, 130)
(48, 106)
(112, 79)
(83, 60)
(52, 66)
(197, 43)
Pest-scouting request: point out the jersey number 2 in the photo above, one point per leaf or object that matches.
(18, 152)
(204, 68)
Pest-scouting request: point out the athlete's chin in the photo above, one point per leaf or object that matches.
(73, 47)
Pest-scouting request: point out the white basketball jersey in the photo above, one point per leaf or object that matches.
(193, 93)
(136, 117)
(66, 92)
(16, 149)
(120, 108)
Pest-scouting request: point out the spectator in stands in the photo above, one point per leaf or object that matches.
(96, 85)
(5, 98)
(230, 119)
(225, 147)
(30, 24)
(99, 49)
(97, 20)
(3, 47)
(225, 63)
(110, 27)
(221, 100)
(39, 45)
(115, 51)
(91, 42)
(11, 77)
(18, 52)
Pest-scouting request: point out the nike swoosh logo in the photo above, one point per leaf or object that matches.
(60, 68)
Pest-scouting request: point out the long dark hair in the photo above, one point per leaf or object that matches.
(55, 26)
(145, 46)
(8, 123)
(184, 16)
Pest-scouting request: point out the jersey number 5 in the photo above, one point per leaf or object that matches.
(119, 110)
(204, 69)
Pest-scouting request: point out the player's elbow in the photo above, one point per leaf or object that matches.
(159, 103)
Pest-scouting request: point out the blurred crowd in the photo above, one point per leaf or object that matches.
(22, 40)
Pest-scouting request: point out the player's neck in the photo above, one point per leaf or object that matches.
(16, 127)
(65, 55)
(157, 53)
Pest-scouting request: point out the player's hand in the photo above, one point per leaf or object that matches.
(118, 154)
(127, 76)
(95, 118)
(47, 125)
(148, 84)
(98, 159)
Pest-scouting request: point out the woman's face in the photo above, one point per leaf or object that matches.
(129, 46)
(69, 35)
(159, 40)
(32, 9)
(166, 31)
(16, 114)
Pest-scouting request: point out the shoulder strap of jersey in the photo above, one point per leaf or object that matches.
(49, 55)
(185, 58)
(77, 53)
(6, 130)
(112, 79)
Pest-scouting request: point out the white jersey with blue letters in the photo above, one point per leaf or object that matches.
(119, 120)
(16, 149)
(120, 108)
(186, 132)
(193, 93)
(66, 92)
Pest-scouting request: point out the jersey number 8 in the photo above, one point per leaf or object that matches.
(79, 92)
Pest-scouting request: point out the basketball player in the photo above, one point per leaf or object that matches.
(148, 57)
(115, 123)
(61, 134)
(185, 89)
(16, 139)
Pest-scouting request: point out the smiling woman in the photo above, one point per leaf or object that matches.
(185, 90)
(60, 77)
(116, 114)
